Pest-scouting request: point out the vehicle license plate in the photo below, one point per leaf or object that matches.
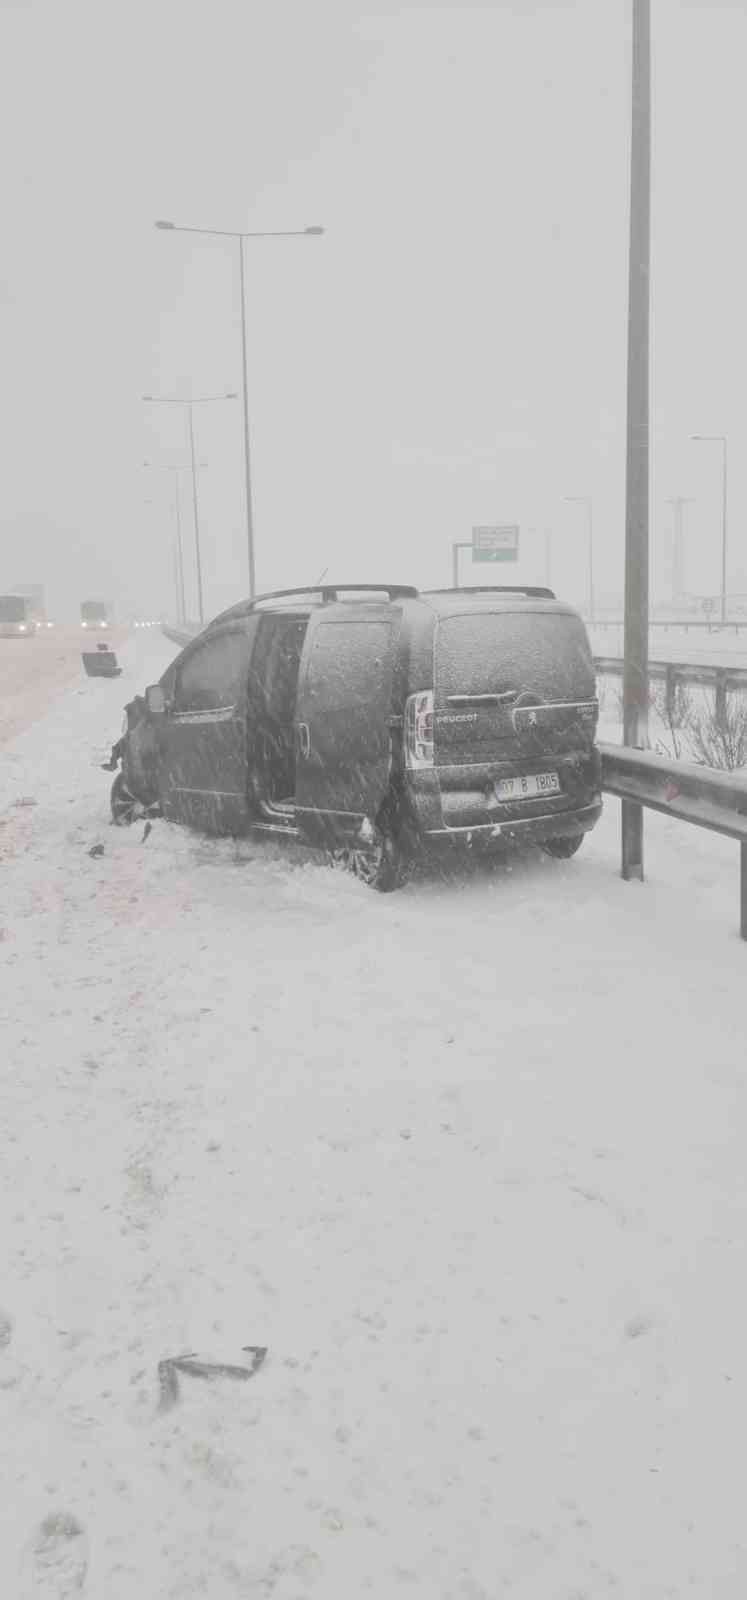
(529, 787)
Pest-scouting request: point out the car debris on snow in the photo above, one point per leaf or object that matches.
(193, 1366)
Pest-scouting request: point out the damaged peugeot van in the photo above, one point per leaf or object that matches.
(377, 723)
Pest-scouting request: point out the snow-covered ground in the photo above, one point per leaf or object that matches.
(468, 1160)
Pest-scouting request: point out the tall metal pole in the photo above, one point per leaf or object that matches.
(247, 447)
(180, 551)
(678, 503)
(198, 562)
(548, 558)
(635, 670)
(723, 535)
(176, 578)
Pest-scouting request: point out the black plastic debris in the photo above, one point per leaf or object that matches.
(101, 664)
(192, 1366)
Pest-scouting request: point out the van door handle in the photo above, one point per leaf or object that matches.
(304, 740)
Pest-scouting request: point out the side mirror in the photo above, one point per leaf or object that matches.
(155, 700)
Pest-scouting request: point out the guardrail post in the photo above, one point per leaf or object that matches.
(670, 682)
(720, 696)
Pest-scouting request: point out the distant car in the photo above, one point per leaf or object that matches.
(17, 620)
(375, 722)
(94, 614)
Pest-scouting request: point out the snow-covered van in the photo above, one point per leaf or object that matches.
(376, 722)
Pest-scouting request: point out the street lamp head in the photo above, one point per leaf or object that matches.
(162, 224)
(315, 231)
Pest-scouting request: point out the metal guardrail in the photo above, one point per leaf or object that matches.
(721, 679)
(677, 624)
(709, 799)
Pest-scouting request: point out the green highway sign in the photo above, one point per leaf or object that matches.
(496, 542)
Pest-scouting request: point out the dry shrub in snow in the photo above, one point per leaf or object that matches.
(675, 712)
(718, 734)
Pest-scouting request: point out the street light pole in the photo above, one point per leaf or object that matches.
(181, 610)
(198, 560)
(637, 461)
(176, 579)
(247, 442)
(678, 502)
(227, 233)
(719, 438)
(194, 400)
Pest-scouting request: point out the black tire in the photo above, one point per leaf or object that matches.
(563, 848)
(380, 864)
(126, 808)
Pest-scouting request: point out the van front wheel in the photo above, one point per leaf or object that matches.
(380, 864)
(563, 848)
(126, 808)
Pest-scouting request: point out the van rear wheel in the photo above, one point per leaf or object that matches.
(563, 848)
(380, 864)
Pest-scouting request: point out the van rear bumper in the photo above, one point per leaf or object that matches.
(523, 830)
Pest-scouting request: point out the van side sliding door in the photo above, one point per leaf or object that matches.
(343, 748)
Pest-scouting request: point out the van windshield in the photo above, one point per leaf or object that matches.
(494, 652)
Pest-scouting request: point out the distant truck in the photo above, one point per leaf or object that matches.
(94, 614)
(34, 593)
(16, 617)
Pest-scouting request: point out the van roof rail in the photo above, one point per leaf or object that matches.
(326, 592)
(533, 591)
(331, 591)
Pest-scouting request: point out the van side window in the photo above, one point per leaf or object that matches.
(348, 663)
(212, 676)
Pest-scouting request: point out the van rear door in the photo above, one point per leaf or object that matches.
(512, 683)
(343, 743)
(514, 713)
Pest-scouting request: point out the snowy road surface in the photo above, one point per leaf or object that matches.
(33, 670)
(469, 1160)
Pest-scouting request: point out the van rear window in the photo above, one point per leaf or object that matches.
(489, 652)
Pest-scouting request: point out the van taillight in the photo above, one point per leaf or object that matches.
(419, 729)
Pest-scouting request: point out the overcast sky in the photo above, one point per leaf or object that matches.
(452, 351)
